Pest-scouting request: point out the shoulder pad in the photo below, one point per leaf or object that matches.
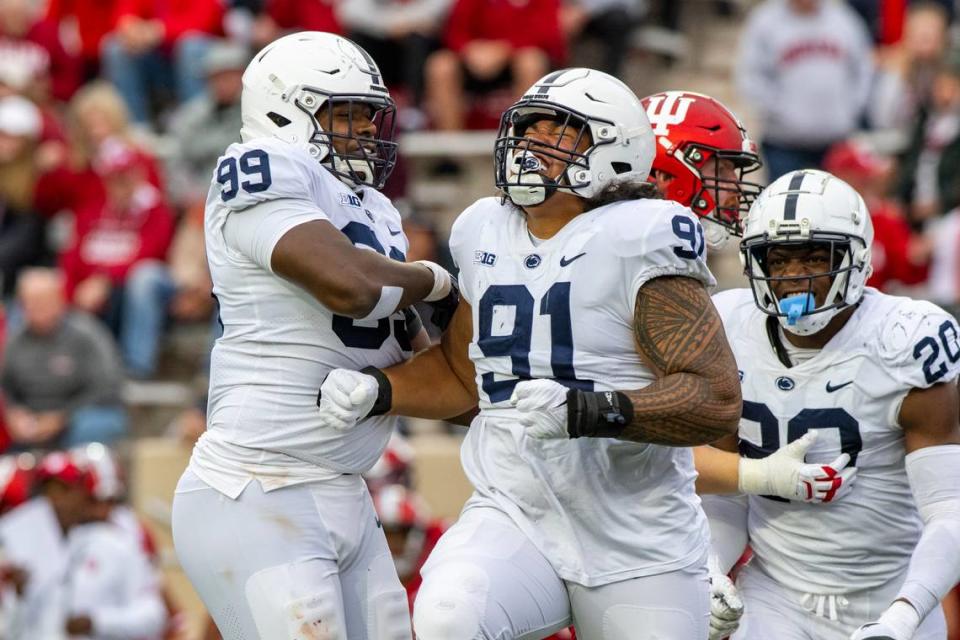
(467, 227)
(638, 227)
(919, 343)
(264, 169)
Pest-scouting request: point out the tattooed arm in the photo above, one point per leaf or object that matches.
(694, 400)
(696, 397)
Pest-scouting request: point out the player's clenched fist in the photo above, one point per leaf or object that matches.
(543, 408)
(346, 397)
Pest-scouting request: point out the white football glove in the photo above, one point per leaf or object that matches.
(898, 622)
(346, 397)
(543, 408)
(784, 473)
(726, 607)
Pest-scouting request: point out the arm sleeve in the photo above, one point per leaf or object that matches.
(254, 232)
(934, 474)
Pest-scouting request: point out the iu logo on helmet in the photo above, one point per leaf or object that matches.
(667, 110)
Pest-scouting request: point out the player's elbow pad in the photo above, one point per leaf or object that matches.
(934, 474)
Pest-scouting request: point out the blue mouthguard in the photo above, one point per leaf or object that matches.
(796, 306)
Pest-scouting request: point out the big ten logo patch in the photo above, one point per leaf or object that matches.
(485, 258)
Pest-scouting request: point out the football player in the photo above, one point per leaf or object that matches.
(703, 153)
(876, 377)
(585, 294)
(703, 156)
(272, 521)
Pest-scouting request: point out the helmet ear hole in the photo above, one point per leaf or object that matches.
(621, 167)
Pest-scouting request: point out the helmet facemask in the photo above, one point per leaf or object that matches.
(800, 312)
(708, 202)
(368, 160)
(520, 174)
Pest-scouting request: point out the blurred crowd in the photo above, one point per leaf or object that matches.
(113, 114)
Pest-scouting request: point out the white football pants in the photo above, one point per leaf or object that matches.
(307, 561)
(774, 611)
(486, 580)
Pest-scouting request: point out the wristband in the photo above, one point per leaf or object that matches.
(600, 414)
(384, 392)
(441, 281)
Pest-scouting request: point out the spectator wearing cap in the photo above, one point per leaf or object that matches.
(61, 373)
(208, 124)
(120, 243)
(21, 228)
(160, 42)
(805, 67)
(32, 59)
(76, 579)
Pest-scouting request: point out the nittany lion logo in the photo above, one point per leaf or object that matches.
(667, 110)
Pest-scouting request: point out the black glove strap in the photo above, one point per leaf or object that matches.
(597, 414)
(384, 392)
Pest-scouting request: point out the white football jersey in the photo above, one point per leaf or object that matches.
(278, 341)
(851, 391)
(600, 509)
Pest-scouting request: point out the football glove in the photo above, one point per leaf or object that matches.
(898, 622)
(543, 408)
(346, 397)
(726, 607)
(784, 473)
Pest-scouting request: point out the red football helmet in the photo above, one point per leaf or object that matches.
(691, 130)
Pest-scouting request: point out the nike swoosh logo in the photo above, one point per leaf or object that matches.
(394, 233)
(379, 524)
(564, 261)
(831, 389)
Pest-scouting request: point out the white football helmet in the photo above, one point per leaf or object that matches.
(622, 142)
(291, 79)
(808, 207)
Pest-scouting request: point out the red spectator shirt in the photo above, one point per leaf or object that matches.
(111, 242)
(94, 21)
(178, 16)
(890, 254)
(40, 54)
(304, 15)
(522, 23)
